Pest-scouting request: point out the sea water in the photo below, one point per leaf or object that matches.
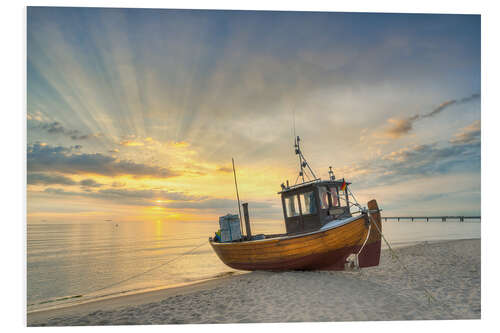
(71, 263)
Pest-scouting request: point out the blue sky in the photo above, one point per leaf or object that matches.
(136, 107)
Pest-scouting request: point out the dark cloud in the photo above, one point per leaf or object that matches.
(47, 179)
(53, 128)
(470, 98)
(416, 162)
(59, 191)
(56, 127)
(426, 160)
(215, 203)
(159, 198)
(42, 158)
(145, 194)
(55, 179)
(400, 127)
(89, 182)
(437, 110)
(80, 137)
(431, 159)
(127, 196)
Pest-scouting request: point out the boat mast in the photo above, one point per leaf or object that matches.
(237, 195)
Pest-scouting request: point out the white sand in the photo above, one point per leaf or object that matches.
(451, 271)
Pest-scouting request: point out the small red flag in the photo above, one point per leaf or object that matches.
(342, 188)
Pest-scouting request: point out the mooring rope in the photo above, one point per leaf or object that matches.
(149, 270)
(364, 243)
(394, 255)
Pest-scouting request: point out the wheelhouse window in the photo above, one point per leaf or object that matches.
(334, 192)
(308, 202)
(292, 206)
(323, 197)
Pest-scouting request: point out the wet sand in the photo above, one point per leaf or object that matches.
(450, 271)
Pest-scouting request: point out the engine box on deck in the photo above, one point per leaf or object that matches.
(229, 228)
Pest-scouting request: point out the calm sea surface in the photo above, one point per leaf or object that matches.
(70, 263)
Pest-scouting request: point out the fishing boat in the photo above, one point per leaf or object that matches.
(321, 231)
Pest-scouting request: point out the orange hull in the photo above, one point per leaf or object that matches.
(319, 250)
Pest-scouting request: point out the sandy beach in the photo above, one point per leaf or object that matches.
(450, 271)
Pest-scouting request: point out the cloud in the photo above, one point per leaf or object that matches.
(158, 198)
(216, 203)
(399, 127)
(137, 141)
(228, 91)
(462, 153)
(146, 194)
(55, 179)
(407, 153)
(46, 179)
(129, 196)
(131, 143)
(89, 182)
(81, 137)
(42, 158)
(224, 169)
(55, 127)
(36, 116)
(441, 107)
(422, 160)
(468, 134)
(60, 191)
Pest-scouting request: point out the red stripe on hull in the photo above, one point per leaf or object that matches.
(370, 256)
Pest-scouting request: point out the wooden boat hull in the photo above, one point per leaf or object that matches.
(319, 250)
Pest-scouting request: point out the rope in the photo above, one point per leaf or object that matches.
(355, 203)
(394, 255)
(364, 243)
(149, 270)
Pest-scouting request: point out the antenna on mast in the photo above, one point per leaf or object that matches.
(303, 163)
(293, 113)
(330, 172)
(302, 160)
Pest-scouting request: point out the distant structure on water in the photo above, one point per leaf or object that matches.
(427, 218)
